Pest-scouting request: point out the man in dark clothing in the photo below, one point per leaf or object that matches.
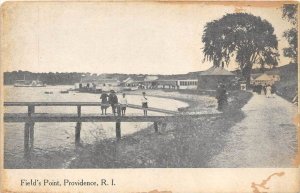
(113, 101)
(259, 89)
(221, 96)
(273, 89)
(265, 89)
(104, 102)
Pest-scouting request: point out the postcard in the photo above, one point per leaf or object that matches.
(154, 96)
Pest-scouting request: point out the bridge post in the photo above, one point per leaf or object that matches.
(77, 133)
(119, 110)
(118, 129)
(79, 111)
(28, 137)
(155, 127)
(31, 110)
(31, 135)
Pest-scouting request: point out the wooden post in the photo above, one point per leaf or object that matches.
(79, 111)
(26, 139)
(77, 133)
(155, 127)
(118, 130)
(31, 110)
(119, 110)
(31, 135)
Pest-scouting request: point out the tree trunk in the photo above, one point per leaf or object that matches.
(246, 72)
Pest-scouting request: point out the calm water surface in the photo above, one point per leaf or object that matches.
(51, 137)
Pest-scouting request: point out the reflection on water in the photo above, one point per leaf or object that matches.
(59, 137)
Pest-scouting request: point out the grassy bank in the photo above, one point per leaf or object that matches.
(183, 143)
(288, 84)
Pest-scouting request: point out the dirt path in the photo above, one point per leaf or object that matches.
(265, 138)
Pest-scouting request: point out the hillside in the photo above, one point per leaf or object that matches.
(287, 87)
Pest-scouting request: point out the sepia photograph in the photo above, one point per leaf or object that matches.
(141, 85)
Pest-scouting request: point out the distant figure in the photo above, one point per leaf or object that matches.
(113, 101)
(254, 88)
(221, 96)
(104, 102)
(144, 103)
(273, 90)
(268, 91)
(264, 90)
(259, 89)
(123, 104)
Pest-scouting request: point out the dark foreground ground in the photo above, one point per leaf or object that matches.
(184, 143)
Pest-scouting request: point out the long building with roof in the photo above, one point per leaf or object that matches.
(209, 79)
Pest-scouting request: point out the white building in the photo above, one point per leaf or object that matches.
(187, 84)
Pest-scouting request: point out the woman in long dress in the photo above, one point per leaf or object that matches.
(104, 102)
(268, 91)
(144, 101)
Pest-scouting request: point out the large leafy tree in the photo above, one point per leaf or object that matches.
(244, 37)
(289, 12)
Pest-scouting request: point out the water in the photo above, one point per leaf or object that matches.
(59, 137)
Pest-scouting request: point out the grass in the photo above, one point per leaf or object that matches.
(179, 144)
(288, 84)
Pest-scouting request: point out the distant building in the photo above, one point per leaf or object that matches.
(134, 81)
(150, 81)
(265, 78)
(187, 83)
(178, 82)
(209, 79)
(167, 84)
(95, 82)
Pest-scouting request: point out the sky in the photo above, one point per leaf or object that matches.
(116, 37)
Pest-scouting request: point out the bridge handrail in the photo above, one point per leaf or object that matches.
(80, 104)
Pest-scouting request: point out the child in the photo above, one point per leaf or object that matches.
(123, 104)
(144, 103)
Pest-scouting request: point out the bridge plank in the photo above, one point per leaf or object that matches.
(45, 117)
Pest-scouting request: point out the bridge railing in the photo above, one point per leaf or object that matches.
(31, 106)
(31, 117)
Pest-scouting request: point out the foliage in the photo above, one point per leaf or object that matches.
(48, 78)
(246, 37)
(289, 12)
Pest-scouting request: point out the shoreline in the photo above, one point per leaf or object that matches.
(177, 144)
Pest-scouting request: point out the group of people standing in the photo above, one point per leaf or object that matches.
(268, 90)
(112, 100)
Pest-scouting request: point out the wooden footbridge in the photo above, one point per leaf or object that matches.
(31, 117)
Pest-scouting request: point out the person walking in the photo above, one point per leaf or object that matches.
(113, 101)
(221, 96)
(264, 90)
(259, 89)
(273, 90)
(268, 91)
(254, 88)
(123, 104)
(104, 102)
(144, 101)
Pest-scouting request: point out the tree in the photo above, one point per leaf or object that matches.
(245, 37)
(289, 12)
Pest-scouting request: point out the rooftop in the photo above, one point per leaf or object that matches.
(217, 71)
